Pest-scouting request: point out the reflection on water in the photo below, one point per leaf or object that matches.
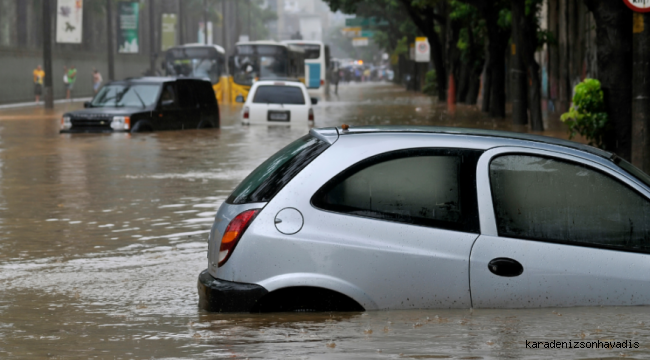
(103, 237)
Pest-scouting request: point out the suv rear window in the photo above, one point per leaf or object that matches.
(269, 94)
(270, 177)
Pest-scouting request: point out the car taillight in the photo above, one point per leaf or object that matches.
(311, 114)
(233, 233)
(246, 113)
(322, 82)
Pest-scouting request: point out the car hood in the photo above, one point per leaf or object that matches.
(94, 112)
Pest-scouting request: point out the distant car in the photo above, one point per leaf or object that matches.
(413, 218)
(146, 104)
(277, 102)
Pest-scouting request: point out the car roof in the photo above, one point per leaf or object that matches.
(154, 80)
(197, 45)
(281, 82)
(331, 134)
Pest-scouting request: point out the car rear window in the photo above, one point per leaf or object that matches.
(279, 94)
(270, 177)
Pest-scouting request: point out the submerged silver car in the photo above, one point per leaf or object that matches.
(374, 218)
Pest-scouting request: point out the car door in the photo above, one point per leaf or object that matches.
(558, 230)
(399, 226)
(170, 114)
(190, 113)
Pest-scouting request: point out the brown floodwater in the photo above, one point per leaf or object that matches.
(102, 238)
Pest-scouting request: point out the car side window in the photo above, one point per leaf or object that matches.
(554, 200)
(186, 95)
(168, 97)
(429, 187)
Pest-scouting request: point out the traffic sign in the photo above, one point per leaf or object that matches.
(422, 50)
(642, 6)
(359, 21)
(360, 41)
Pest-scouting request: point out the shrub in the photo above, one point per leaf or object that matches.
(587, 115)
(430, 85)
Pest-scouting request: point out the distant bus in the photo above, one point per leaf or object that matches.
(198, 61)
(263, 60)
(317, 63)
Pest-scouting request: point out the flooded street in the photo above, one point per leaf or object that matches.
(103, 237)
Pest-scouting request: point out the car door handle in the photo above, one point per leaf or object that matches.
(505, 267)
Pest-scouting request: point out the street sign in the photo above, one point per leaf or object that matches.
(367, 33)
(360, 41)
(352, 31)
(69, 21)
(642, 6)
(359, 21)
(422, 50)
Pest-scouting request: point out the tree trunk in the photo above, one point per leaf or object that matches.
(614, 58)
(641, 93)
(535, 98)
(526, 41)
(487, 85)
(518, 77)
(474, 86)
(439, 64)
(497, 42)
(463, 83)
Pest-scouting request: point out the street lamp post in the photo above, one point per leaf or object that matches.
(47, 54)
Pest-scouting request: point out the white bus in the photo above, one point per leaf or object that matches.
(317, 63)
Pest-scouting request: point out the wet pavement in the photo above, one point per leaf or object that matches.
(103, 237)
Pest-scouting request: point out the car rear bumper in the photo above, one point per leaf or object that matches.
(218, 295)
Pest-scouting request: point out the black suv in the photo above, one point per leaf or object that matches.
(147, 104)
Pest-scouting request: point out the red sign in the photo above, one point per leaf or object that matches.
(642, 6)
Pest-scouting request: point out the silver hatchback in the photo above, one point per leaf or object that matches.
(374, 218)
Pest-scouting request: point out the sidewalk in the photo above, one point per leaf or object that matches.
(41, 103)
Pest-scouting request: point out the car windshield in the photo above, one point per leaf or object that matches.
(270, 177)
(118, 95)
(279, 94)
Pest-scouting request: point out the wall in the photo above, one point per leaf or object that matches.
(18, 64)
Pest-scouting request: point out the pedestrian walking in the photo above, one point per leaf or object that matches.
(39, 75)
(336, 77)
(97, 80)
(72, 77)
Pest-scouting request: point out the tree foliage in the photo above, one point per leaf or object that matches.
(587, 115)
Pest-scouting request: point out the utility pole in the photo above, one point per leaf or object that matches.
(111, 45)
(47, 54)
(641, 91)
(152, 39)
(181, 23)
(205, 22)
(250, 33)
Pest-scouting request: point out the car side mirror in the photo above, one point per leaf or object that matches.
(314, 101)
(167, 103)
(87, 104)
(239, 99)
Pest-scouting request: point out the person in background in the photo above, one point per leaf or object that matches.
(39, 75)
(97, 80)
(66, 83)
(72, 77)
(335, 80)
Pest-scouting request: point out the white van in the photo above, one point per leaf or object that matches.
(277, 102)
